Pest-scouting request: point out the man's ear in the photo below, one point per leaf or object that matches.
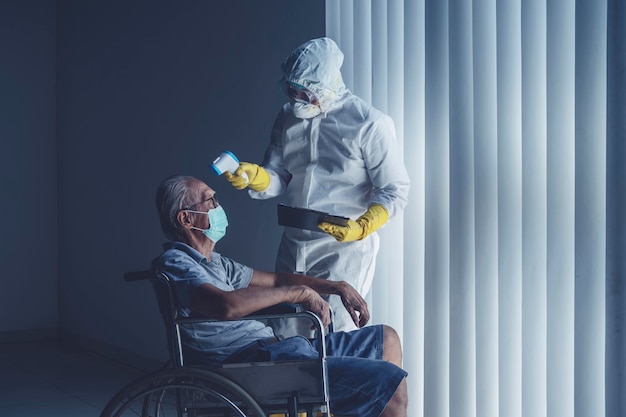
(184, 219)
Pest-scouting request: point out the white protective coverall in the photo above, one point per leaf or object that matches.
(340, 162)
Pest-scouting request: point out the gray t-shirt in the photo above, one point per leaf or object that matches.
(188, 269)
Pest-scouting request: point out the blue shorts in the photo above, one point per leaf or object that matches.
(360, 382)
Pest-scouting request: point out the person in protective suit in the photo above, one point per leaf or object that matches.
(329, 151)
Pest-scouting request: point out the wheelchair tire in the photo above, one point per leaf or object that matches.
(182, 392)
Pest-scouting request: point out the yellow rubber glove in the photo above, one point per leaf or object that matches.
(375, 216)
(258, 178)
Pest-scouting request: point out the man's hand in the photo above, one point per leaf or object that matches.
(314, 303)
(355, 304)
(306, 290)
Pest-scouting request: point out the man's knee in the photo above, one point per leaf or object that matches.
(398, 404)
(392, 349)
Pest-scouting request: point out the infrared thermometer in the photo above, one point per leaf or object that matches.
(226, 162)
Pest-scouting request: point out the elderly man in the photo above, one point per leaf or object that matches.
(365, 377)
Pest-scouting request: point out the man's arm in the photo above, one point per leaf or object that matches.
(385, 167)
(212, 302)
(352, 300)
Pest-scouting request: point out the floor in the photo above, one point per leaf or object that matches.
(53, 379)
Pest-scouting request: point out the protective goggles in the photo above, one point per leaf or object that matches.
(298, 92)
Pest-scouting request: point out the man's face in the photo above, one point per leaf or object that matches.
(204, 199)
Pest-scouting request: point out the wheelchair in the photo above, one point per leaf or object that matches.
(297, 388)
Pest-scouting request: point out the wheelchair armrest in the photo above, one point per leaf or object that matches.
(278, 309)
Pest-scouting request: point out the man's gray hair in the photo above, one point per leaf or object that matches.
(171, 197)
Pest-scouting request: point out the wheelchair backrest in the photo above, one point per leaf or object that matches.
(167, 307)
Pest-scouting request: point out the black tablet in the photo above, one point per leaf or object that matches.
(302, 218)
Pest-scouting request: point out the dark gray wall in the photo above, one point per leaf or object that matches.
(28, 161)
(145, 89)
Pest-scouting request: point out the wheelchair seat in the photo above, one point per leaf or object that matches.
(260, 389)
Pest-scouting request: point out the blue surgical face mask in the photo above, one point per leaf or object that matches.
(217, 223)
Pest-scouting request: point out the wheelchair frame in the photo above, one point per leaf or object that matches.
(258, 389)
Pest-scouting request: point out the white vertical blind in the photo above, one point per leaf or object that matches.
(505, 276)
(616, 207)
(561, 289)
(462, 215)
(534, 208)
(394, 265)
(509, 120)
(437, 210)
(590, 237)
(486, 205)
(380, 90)
(363, 49)
(413, 300)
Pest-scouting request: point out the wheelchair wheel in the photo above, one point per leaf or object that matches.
(182, 392)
